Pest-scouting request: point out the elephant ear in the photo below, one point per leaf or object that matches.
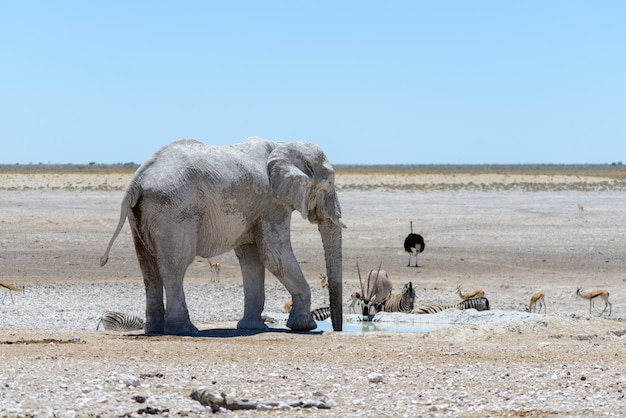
(290, 176)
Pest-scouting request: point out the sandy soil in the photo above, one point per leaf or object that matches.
(511, 243)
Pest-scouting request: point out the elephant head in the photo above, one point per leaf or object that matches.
(301, 177)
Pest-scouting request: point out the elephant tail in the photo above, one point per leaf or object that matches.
(128, 202)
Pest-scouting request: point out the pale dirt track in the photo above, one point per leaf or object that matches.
(509, 243)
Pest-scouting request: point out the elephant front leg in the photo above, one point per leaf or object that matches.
(287, 270)
(253, 272)
(300, 319)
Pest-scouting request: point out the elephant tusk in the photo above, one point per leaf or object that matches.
(339, 222)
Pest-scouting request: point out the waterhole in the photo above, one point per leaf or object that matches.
(369, 326)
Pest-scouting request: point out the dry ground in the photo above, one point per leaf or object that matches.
(508, 241)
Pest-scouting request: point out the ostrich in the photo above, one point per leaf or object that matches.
(413, 244)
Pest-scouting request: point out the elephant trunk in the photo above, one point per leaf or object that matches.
(331, 240)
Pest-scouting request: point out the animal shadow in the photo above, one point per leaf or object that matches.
(231, 333)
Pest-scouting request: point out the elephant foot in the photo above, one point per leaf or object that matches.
(154, 328)
(186, 328)
(301, 322)
(252, 324)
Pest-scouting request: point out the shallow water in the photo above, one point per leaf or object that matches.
(369, 326)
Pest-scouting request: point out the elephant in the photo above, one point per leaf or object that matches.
(191, 199)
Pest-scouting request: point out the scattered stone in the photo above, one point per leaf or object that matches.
(216, 400)
(131, 380)
(375, 377)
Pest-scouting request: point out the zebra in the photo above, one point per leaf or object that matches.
(118, 321)
(321, 314)
(399, 302)
(318, 314)
(480, 304)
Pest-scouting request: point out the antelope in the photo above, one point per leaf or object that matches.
(537, 299)
(474, 294)
(11, 288)
(323, 280)
(581, 207)
(377, 293)
(354, 297)
(324, 283)
(288, 305)
(604, 294)
(215, 271)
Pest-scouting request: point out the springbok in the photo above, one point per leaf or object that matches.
(537, 299)
(323, 280)
(288, 305)
(215, 271)
(354, 297)
(11, 288)
(601, 293)
(324, 283)
(469, 295)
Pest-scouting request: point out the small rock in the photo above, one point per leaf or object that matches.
(130, 380)
(375, 377)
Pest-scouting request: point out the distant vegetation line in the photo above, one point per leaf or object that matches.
(92, 168)
(614, 170)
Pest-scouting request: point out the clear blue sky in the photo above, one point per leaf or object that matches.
(385, 82)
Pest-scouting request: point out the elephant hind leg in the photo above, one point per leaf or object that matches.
(153, 282)
(177, 321)
(166, 273)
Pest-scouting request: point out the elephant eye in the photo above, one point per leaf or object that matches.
(308, 167)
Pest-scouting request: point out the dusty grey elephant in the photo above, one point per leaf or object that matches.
(192, 199)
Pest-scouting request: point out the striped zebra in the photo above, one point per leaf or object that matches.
(321, 314)
(399, 302)
(118, 321)
(318, 314)
(480, 304)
